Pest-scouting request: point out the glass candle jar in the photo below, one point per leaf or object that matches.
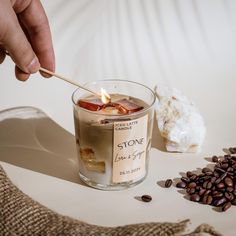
(113, 140)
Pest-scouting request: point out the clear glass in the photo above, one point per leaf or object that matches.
(95, 138)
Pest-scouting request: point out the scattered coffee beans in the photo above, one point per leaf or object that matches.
(168, 183)
(146, 198)
(215, 186)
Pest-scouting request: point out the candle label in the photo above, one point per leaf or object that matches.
(129, 149)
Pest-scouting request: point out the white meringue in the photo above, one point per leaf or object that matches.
(179, 121)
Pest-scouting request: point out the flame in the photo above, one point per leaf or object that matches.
(105, 97)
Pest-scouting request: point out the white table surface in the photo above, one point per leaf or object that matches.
(189, 45)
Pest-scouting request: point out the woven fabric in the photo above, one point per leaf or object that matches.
(21, 215)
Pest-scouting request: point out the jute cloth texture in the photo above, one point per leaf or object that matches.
(21, 215)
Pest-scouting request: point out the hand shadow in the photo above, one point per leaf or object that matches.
(30, 139)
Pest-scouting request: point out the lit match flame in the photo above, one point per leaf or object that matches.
(105, 97)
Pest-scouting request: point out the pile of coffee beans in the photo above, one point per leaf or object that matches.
(213, 186)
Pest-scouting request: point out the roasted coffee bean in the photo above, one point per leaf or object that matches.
(224, 166)
(209, 185)
(220, 185)
(190, 191)
(232, 150)
(146, 198)
(226, 206)
(189, 174)
(185, 179)
(195, 197)
(205, 169)
(219, 201)
(229, 196)
(193, 177)
(234, 192)
(219, 170)
(192, 185)
(209, 173)
(168, 183)
(208, 191)
(202, 191)
(217, 194)
(234, 166)
(234, 202)
(228, 181)
(218, 180)
(230, 189)
(181, 184)
(230, 169)
(204, 185)
(215, 159)
(216, 174)
(209, 199)
(213, 179)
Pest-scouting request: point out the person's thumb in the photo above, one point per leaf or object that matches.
(15, 42)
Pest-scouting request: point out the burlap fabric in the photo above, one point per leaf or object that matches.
(20, 215)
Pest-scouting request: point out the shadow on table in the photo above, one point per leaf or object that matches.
(30, 139)
(157, 140)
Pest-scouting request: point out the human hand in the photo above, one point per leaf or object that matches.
(25, 34)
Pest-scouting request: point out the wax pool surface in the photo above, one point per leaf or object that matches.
(119, 105)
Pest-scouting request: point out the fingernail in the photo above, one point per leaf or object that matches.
(34, 65)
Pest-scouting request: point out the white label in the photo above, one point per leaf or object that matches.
(129, 150)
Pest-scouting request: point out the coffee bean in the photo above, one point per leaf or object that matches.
(228, 181)
(215, 159)
(234, 202)
(195, 197)
(146, 198)
(220, 185)
(209, 185)
(213, 179)
(219, 170)
(229, 196)
(190, 191)
(209, 199)
(189, 174)
(208, 191)
(201, 191)
(168, 183)
(181, 184)
(232, 150)
(230, 189)
(217, 194)
(219, 201)
(225, 166)
(226, 206)
(185, 179)
(205, 169)
(192, 185)
(193, 177)
(230, 169)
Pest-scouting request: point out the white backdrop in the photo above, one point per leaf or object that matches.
(182, 43)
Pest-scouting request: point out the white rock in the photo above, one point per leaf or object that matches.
(179, 121)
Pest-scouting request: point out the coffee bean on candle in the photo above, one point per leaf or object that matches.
(146, 198)
(168, 183)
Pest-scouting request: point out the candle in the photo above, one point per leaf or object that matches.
(113, 138)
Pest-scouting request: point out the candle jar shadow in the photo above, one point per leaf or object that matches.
(31, 140)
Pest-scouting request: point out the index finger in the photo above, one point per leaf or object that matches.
(36, 23)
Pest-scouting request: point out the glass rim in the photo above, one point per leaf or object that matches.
(117, 115)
